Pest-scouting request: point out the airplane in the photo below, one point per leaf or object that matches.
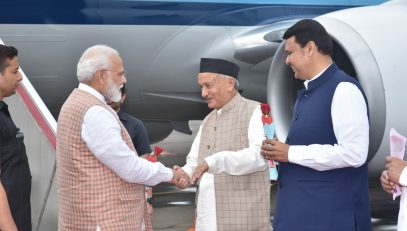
(161, 43)
(161, 50)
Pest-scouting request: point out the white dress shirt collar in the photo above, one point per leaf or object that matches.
(91, 91)
(315, 77)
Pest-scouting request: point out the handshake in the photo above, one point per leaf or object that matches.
(182, 180)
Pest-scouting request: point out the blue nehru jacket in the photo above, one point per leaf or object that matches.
(311, 200)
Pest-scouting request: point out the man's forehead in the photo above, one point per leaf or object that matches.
(290, 45)
(207, 77)
(13, 63)
(116, 59)
(288, 42)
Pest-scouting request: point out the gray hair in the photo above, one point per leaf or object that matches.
(235, 80)
(94, 59)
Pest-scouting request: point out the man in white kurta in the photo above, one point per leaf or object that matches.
(218, 84)
(226, 163)
(100, 177)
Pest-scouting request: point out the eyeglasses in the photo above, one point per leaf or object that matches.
(121, 74)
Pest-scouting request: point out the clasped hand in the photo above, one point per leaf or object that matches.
(181, 178)
(390, 177)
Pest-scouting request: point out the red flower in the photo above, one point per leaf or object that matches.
(158, 150)
(265, 109)
(152, 158)
(266, 118)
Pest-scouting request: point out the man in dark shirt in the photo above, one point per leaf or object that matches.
(15, 175)
(134, 126)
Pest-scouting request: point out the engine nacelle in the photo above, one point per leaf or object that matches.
(370, 45)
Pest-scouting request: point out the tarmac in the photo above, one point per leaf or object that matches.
(174, 209)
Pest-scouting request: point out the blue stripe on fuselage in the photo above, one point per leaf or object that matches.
(287, 2)
(116, 12)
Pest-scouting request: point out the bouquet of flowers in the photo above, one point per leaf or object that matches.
(154, 155)
(269, 128)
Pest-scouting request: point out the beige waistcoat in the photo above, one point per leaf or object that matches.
(89, 193)
(242, 202)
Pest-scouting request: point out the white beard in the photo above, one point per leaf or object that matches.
(113, 93)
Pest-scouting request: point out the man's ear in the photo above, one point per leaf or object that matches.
(231, 83)
(311, 48)
(101, 76)
(98, 80)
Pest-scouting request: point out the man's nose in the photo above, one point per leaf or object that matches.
(19, 76)
(204, 93)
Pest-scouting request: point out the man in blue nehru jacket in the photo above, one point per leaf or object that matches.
(323, 170)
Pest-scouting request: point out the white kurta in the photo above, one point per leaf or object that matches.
(351, 131)
(241, 162)
(351, 128)
(102, 134)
